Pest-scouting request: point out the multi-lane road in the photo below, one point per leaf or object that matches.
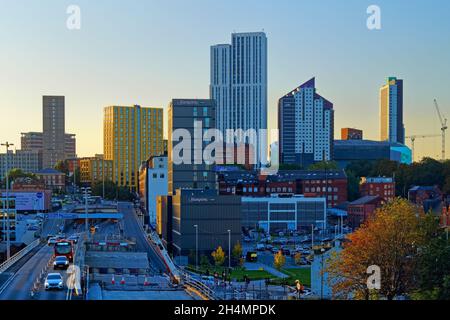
(18, 284)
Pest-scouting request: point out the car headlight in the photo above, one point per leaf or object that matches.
(66, 262)
(54, 263)
(60, 284)
(46, 284)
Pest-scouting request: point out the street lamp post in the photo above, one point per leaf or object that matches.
(8, 243)
(196, 246)
(103, 176)
(229, 249)
(322, 251)
(86, 224)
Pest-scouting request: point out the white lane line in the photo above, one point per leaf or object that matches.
(6, 284)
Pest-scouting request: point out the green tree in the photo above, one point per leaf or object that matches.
(352, 186)
(434, 264)
(324, 165)
(237, 252)
(218, 256)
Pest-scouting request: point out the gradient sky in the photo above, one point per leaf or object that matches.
(149, 51)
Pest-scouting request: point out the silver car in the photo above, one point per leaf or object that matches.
(54, 281)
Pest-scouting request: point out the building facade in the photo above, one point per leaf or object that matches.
(53, 179)
(275, 214)
(131, 135)
(383, 187)
(346, 151)
(212, 214)
(95, 169)
(34, 141)
(392, 128)
(238, 83)
(351, 134)
(186, 166)
(153, 182)
(330, 185)
(309, 137)
(27, 161)
(53, 135)
(362, 209)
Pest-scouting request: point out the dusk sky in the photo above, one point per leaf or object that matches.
(148, 52)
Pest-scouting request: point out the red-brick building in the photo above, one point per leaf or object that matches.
(383, 187)
(359, 211)
(331, 185)
(53, 179)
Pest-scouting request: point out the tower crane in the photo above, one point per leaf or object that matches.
(419, 136)
(444, 127)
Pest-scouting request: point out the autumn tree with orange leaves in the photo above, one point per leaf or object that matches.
(390, 240)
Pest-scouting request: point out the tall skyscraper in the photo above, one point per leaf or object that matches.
(306, 126)
(53, 135)
(130, 136)
(392, 128)
(239, 82)
(194, 116)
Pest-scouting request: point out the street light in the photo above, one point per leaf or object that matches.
(196, 246)
(321, 273)
(229, 249)
(86, 192)
(8, 244)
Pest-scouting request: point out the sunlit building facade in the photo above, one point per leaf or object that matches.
(131, 135)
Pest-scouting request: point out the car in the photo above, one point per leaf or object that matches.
(61, 262)
(54, 281)
(286, 251)
(269, 247)
(52, 241)
(260, 247)
(247, 239)
(73, 239)
(275, 250)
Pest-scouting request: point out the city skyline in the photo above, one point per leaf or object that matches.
(93, 79)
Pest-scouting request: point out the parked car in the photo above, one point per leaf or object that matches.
(275, 250)
(54, 281)
(269, 247)
(260, 247)
(52, 241)
(61, 262)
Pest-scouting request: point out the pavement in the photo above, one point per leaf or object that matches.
(271, 270)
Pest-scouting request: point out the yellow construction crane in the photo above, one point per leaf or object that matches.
(444, 127)
(419, 136)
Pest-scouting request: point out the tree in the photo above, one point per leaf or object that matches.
(16, 173)
(298, 258)
(324, 165)
(434, 265)
(389, 240)
(279, 260)
(237, 253)
(218, 256)
(352, 186)
(62, 166)
(204, 261)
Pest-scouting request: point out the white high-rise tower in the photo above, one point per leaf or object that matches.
(239, 83)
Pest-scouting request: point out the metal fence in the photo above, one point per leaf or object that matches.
(19, 255)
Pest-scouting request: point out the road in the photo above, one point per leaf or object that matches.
(19, 284)
(132, 228)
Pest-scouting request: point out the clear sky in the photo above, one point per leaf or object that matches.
(149, 51)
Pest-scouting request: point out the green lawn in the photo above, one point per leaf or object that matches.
(301, 274)
(236, 273)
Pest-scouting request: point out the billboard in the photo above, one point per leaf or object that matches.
(28, 201)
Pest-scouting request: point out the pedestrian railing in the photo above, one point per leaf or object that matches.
(202, 288)
(19, 255)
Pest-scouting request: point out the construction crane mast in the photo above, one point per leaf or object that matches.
(420, 136)
(444, 127)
